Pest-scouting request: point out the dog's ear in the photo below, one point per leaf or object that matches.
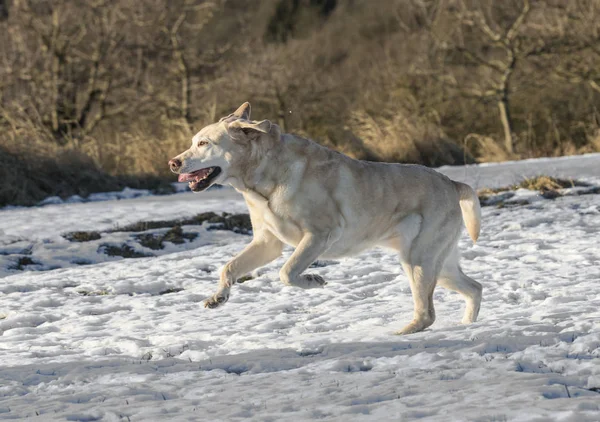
(251, 130)
(243, 111)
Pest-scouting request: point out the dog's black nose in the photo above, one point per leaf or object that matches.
(175, 164)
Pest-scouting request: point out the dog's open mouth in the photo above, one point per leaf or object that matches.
(200, 179)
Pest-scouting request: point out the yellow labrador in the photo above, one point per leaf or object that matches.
(328, 205)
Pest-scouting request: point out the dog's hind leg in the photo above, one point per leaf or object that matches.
(308, 250)
(422, 278)
(263, 249)
(422, 266)
(453, 278)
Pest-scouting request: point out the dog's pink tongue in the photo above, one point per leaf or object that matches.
(199, 174)
(185, 177)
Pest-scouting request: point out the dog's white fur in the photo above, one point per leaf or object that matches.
(326, 204)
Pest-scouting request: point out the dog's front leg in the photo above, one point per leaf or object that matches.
(263, 249)
(308, 250)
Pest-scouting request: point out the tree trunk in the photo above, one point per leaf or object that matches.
(184, 71)
(54, 110)
(281, 114)
(186, 92)
(507, 126)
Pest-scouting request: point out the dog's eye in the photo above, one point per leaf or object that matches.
(202, 143)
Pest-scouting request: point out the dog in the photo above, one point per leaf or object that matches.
(328, 205)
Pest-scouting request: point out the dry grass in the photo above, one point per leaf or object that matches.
(548, 187)
(31, 173)
(486, 148)
(400, 138)
(541, 184)
(547, 183)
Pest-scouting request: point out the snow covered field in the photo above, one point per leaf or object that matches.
(105, 338)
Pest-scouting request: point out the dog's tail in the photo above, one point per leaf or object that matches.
(471, 210)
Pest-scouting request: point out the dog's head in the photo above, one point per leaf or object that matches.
(218, 150)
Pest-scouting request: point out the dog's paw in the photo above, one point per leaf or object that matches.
(216, 300)
(313, 280)
(414, 327)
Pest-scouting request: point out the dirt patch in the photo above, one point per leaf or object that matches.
(142, 226)
(82, 236)
(171, 290)
(239, 223)
(82, 262)
(155, 241)
(22, 262)
(150, 241)
(123, 250)
(177, 236)
(510, 204)
(93, 293)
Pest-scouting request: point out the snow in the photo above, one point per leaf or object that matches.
(129, 339)
(42, 222)
(495, 175)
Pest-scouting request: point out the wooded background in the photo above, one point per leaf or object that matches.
(99, 94)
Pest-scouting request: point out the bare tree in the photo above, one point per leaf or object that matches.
(494, 47)
(202, 13)
(574, 55)
(124, 84)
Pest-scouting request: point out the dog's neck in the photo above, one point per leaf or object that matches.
(259, 177)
